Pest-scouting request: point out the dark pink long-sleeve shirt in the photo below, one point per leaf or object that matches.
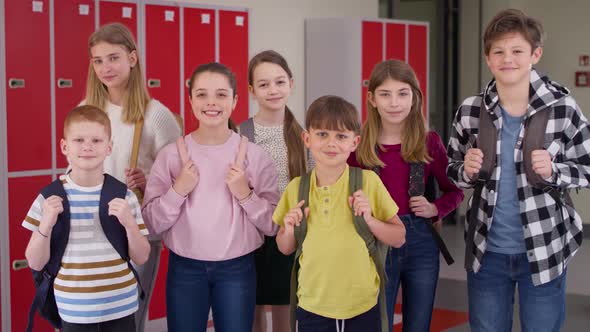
(395, 176)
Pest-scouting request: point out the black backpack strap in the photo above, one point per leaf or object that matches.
(114, 231)
(44, 300)
(355, 182)
(417, 188)
(300, 233)
(487, 138)
(247, 129)
(534, 139)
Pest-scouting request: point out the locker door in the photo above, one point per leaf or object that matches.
(372, 46)
(28, 94)
(21, 194)
(122, 12)
(233, 52)
(74, 23)
(199, 48)
(162, 58)
(395, 41)
(418, 58)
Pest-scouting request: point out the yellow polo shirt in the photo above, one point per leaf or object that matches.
(337, 278)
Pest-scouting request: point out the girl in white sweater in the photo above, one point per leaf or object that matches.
(116, 85)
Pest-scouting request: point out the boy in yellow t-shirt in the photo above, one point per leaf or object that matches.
(338, 281)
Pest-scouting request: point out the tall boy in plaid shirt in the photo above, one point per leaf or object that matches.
(522, 235)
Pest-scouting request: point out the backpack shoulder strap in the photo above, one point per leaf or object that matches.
(247, 129)
(487, 137)
(355, 182)
(61, 231)
(300, 233)
(114, 231)
(534, 139)
(43, 300)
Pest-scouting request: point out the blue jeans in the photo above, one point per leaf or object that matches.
(369, 321)
(227, 287)
(415, 265)
(491, 296)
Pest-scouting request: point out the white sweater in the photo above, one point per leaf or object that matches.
(159, 129)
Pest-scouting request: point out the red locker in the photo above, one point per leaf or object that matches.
(74, 23)
(418, 58)
(233, 52)
(122, 12)
(21, 194)
(199, 48)
(367, 43)
(395, 43)
(372, 48)
(162, 58)
(28, 94)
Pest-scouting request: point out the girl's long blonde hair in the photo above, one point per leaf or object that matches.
(414, 129)
(136, 97)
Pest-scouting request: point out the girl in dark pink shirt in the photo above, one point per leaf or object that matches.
(393, 137)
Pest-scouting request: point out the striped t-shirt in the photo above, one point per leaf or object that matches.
(94, 283)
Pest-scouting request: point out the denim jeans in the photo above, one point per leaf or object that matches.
(491, 296)
(227, 287)
(415, 266)
(369, 321)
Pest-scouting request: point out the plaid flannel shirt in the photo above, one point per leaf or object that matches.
(552, 235)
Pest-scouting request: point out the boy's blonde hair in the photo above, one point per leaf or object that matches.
(87, 113)
(332, 113)
(414, 129)
(511, 21)
(137, 97)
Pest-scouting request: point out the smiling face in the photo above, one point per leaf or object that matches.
(271, 86)
(86, 145)
(330, 148)
(112, 64)
(393, 101)
(212, 99)
(511, 58)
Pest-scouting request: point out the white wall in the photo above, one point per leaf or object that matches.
(566, 25)
(279, 25)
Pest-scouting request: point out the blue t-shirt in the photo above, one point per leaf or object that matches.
(506, 234)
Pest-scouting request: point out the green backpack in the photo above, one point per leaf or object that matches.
(377, 249)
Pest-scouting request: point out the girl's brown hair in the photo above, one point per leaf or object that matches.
(291, 129)
(413, 128)
(218, 68)
(137, 97)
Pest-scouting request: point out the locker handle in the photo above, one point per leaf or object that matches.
(64, 83)
(14, 83)
(153, 83)
(19, 264)
(365, 83)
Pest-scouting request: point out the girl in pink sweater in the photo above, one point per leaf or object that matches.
(213, 209)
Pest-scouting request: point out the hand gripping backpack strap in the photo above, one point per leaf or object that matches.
(534, 139)
(135, 154)
(300, 233)
(356, 183)
(417, 188)
(487, 138)
(113, 230)
(44, 300)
